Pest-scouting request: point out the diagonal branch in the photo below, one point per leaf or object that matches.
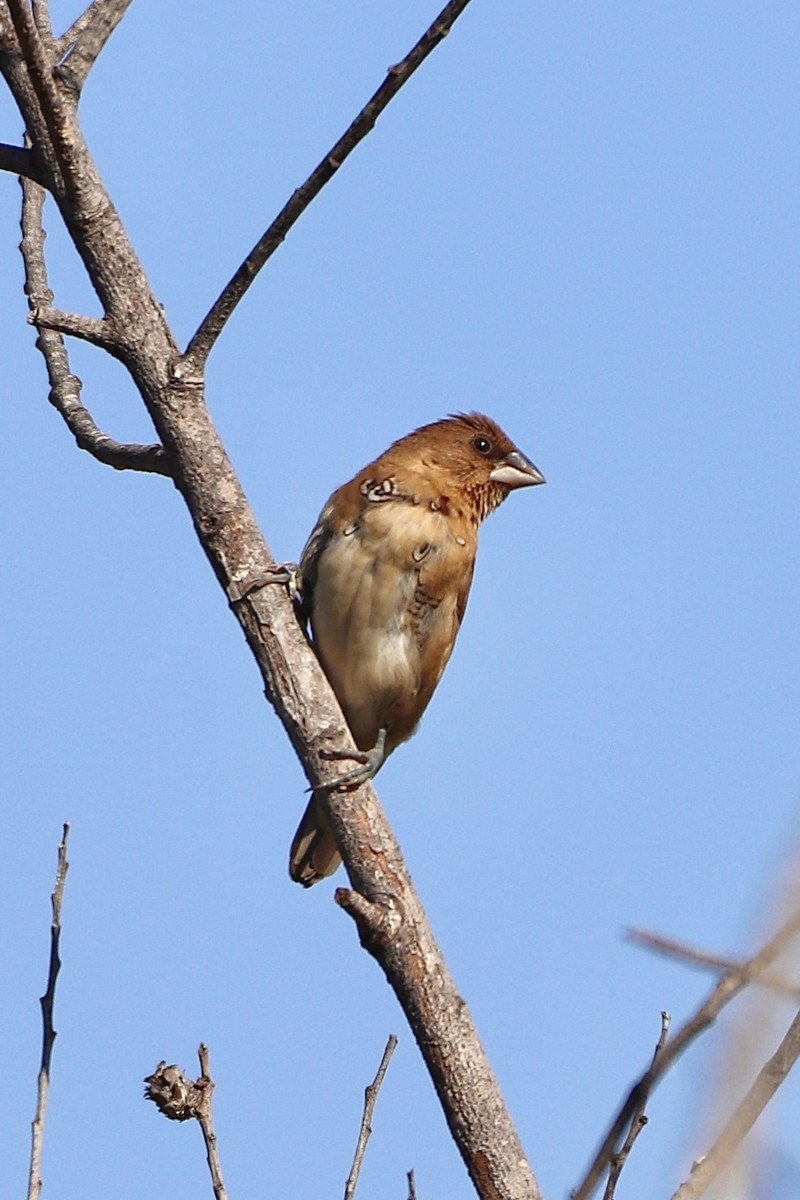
(365, 1129)
(210, 328)
(39, 65)
(79, 48)
(65, 388)
(15, 71)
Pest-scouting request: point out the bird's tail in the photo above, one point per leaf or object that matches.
(313, 854)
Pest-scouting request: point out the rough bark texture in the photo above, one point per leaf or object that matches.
(389, 915)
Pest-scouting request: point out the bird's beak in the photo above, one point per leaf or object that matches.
(515, 470)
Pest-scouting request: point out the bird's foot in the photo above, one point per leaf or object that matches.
(287, 574)
(369, 763)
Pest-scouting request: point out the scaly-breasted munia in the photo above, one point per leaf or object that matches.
(385, 577)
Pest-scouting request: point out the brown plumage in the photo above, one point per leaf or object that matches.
(386, 574)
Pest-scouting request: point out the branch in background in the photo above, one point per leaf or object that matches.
(412, 1190)
(79, 48)
(370, 1096)
(182, 1099)
(766, 1084)
(731, 983)
(708, 961)
(48, 1032)
(65, 388)
(199, 347)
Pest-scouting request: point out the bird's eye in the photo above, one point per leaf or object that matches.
(483, 446)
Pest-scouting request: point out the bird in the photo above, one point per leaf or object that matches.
(383, 584)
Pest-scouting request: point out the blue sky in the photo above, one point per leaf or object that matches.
(581, 220)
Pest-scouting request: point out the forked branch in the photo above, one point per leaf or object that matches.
(79, 48)
(65, 388)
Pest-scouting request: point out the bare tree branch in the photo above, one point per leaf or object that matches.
(412, 1190)
(212, 324)
(764, 1087)
(98, 331)
(41, 15)
(19, 161)
(79, 48)
(39, 66)
(48, 1032)
(67, 40)
(14, 68)
(370, 1096)
(65, 388)
(731, 983)
(206, 1123)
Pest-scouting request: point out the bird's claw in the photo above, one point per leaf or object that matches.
(369, 763)
(287, 574)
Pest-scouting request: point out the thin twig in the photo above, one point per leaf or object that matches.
(709, 961)
(412, 1190)
(744, 1117)
(47, 1002)
(206, 1123)
(79, 48)
(65, 388)
(370, 1096)
(212, 324)
(728, 986)
(638, 1118)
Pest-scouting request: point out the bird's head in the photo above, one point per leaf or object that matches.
(474, 458)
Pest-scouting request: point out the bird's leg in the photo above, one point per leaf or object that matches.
(370, 762)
